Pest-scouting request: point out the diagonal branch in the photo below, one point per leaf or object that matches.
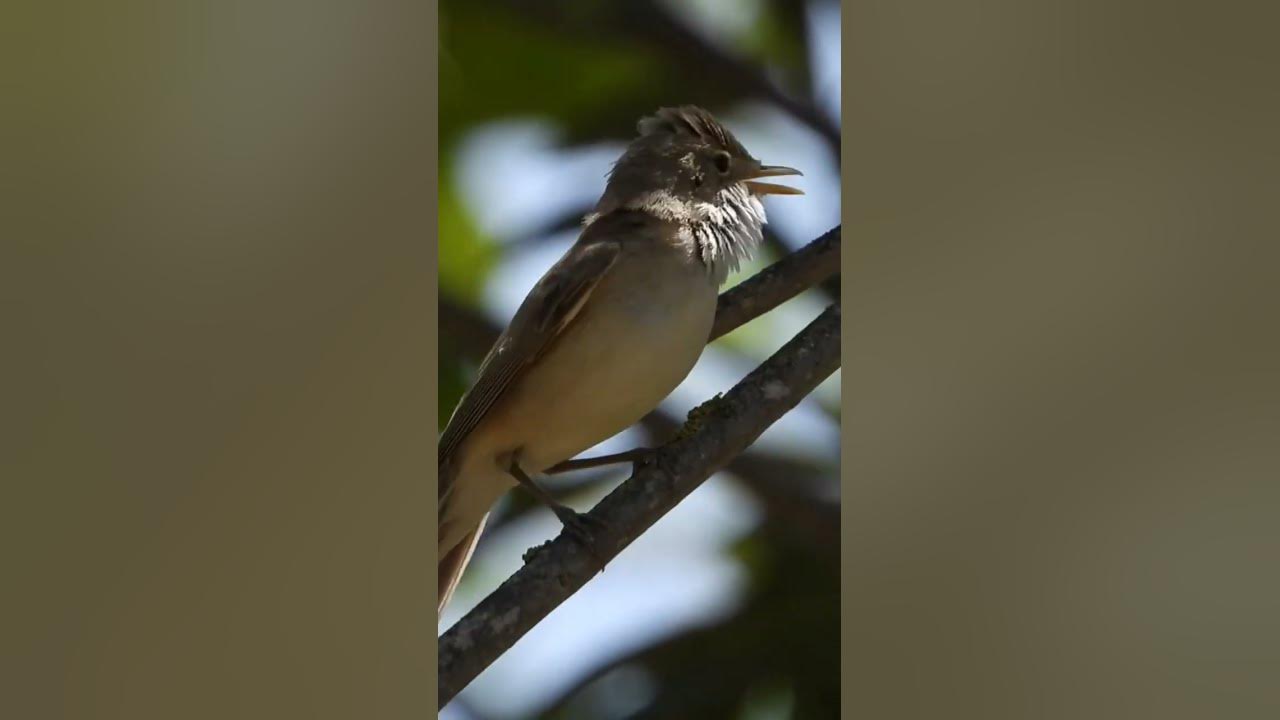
(778, 283)
(718, 430)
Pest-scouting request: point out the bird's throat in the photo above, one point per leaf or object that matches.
(720, 234)
(726, 233)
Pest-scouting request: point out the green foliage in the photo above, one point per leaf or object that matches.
(776, 37)
(585, 64)
(465, 255)
(502, 66)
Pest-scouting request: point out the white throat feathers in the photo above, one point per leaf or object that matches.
(721, 234)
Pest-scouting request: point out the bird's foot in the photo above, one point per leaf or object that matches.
(583, 528)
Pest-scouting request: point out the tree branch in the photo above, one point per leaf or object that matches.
(799, 271)
(720, 429)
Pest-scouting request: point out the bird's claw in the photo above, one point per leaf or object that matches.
(581, 527)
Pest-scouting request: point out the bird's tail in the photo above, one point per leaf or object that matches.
(453, 562)
(460, 517)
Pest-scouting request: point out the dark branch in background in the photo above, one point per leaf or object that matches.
(651, 19)
(652, 23)
(721, 428)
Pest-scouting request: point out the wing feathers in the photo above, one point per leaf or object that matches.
(550, 308)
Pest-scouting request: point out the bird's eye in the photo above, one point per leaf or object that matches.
(722, 162)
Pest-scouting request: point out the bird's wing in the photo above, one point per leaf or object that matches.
(543, 316)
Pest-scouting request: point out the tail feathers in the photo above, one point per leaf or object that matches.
(452, 563)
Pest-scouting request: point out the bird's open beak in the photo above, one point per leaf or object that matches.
(763, 188)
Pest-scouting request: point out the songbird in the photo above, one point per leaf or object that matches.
(611, 329)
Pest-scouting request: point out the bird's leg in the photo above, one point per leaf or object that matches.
(632, 456)
(580, 525)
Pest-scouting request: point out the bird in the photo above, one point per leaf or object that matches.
(611, 328)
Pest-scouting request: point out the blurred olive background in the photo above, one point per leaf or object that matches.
(728, 607)
(1061, 361)
(218, 385)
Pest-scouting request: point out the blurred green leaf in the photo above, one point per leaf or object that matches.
(465, 255)
(502, 66)
(587, 64)
(776, 38)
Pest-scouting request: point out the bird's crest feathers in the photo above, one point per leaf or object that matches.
(692, 123)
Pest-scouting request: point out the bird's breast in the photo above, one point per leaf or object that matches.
(638, 337)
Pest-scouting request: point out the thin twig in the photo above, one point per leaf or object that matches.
(720, 429)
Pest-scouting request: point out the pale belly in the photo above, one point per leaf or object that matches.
(614, 365)
(621, 357)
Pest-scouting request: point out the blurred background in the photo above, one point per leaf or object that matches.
(218, 364)
(1061, 360)
(729, 606)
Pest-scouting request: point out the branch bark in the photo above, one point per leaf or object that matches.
(719, 430)
(799, 271)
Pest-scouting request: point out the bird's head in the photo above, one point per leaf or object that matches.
(686, 167)
(684, 152)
